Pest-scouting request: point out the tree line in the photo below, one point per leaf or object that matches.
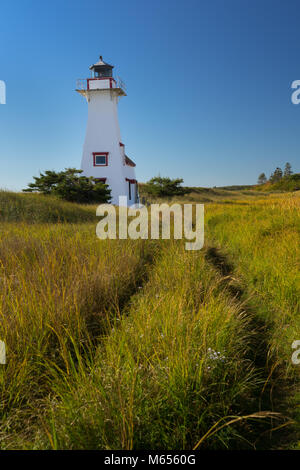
(277, 175)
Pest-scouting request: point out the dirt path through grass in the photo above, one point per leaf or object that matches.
(58, 286)
(273, 393)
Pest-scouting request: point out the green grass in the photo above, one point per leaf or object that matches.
(58, 283)
(210, 195)
(153, 383)
(261, 242)
(36, 208)
(110, 344)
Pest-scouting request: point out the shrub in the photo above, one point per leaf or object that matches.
(160, 187)
(68, 185)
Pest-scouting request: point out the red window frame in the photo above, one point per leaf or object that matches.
(100, 154)
(130, 182)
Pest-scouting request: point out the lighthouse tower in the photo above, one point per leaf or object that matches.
(104, 155)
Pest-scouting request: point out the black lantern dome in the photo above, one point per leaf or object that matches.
(101, 69)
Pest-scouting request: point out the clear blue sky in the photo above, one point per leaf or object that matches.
(208, 83)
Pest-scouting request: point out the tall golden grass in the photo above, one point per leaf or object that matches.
(57, 286)
(136, 344)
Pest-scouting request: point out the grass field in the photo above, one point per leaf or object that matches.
(137, 344)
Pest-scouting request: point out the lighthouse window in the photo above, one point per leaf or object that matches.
(103, 73)
(100, 159)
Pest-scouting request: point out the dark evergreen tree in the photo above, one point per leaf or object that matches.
(288, 170)
(262, 179)
(69, 185)
(276, 176)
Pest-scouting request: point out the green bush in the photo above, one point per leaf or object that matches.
(160, 187)
(68, 185)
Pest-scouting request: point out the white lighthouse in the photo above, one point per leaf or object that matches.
(104, 155)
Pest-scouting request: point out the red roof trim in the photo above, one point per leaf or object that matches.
(129, 162)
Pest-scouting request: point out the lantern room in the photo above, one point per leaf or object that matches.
(101, 69)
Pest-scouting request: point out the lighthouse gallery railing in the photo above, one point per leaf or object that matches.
(81, 83)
